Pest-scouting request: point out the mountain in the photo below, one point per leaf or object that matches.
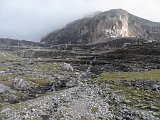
(103, 26)
(110, 71)
(20, 43)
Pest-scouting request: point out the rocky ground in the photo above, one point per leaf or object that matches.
(90, 86)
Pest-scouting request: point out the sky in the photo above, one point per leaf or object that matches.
(33, 19)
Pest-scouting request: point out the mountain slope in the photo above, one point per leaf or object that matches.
(112, 23)
(20, 43)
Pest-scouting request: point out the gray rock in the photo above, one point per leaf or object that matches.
(2, 72)
(71, 83)
(4, 88)
(85, 75)
(66, 67)
(21, 84)
(156, 87)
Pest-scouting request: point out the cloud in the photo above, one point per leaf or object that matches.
(32, 19)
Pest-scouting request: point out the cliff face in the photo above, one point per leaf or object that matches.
(113, 23)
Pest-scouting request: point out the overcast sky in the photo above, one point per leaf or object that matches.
(32, 19)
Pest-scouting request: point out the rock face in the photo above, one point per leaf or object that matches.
(113, 23)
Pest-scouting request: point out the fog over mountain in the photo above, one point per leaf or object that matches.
(32, 19)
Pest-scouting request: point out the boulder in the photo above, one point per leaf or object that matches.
(4, 88)
(66, 67)
(71, 83)
(21, 84)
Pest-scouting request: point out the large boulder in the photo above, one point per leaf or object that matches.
(21, 84)
(66, 67)
(4, 89)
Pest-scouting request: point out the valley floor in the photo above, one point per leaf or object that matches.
(33, 89)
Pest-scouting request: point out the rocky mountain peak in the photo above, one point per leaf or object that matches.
(100, 27)
(116, 23)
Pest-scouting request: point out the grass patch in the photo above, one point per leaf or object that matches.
(59, 116)
(4, 68)
(39, 81)
(6, 79)
(6, 57)
(146, 75)
(43, 82)
(37, 118)
(86, 118)
(11, 97)
(94, 110)
(139, 98)
(47, 67)
(136, 98)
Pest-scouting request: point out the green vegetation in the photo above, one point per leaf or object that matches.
(19, 94)
(37, 118)
(139, 98)
(59, 116)
(6, 57)
(43, 82)
(6, 79)
(86, 118)
(4, 68)
(47, 67)
(94, 109)
(11, 97)
(146, 75)
(38, 81)
(136, 98)
(142, 99)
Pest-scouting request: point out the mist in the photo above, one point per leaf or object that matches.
(33, 19)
